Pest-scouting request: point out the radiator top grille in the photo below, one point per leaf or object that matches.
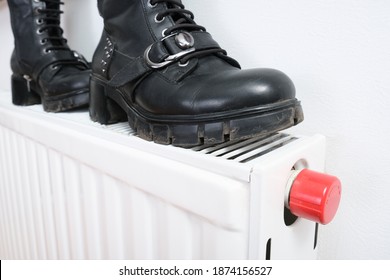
(246, 150)
(241, 151)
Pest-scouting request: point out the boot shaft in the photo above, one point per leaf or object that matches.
(24, 27)
(37, 32)
(137, 24)
(156, 32)
(132, 23)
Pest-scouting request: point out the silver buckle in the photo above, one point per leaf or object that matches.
(170, 59)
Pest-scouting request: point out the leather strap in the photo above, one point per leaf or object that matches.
(57, 57)
(158, 53)
(133, 70)
(166, 47)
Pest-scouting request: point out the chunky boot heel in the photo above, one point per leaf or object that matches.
(22, 94)
(103, 109)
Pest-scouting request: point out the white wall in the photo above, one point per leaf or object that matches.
(337, 53)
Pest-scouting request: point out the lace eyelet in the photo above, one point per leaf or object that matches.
(163, 32)
(158, 20)
(46, 51)
(39, 21)
(151, 5)
(54, 67)
(39, 31)
(42, 41)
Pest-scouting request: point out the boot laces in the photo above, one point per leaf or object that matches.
(50, 24)
(184, 21)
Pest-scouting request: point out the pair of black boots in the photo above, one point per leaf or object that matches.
(154, 67)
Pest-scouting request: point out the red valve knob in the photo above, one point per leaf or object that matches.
(314, 196)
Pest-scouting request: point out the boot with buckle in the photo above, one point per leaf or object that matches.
(45, 70)
(162, 72)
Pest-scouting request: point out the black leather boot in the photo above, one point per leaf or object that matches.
(44, 68)
(155, 66)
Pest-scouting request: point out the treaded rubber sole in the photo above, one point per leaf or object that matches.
(24, 95)
(107, 107)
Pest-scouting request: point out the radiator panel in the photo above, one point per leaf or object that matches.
(68, 210)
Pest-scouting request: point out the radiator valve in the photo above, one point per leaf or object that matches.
(313, 195)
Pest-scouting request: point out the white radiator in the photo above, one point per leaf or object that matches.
(73, 189)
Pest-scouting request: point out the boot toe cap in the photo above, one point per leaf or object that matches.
(222, 92)
(68, 83)
(242, 89)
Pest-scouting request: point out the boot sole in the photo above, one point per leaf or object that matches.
(107, 106)
(22, 95)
